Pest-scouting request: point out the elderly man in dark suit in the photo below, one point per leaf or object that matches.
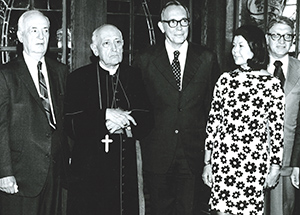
(180, 87)
(279, 38)
(31, 113)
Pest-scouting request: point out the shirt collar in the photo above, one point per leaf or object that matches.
(170, 50)
(31, 61)
(285, 63)
(111, 71)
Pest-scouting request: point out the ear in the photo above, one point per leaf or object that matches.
(20, 36)
(94, 49)
(267, 39)
(161, 27)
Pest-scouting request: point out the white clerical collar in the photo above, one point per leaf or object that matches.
(111, 71)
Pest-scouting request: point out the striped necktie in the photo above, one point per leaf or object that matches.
(44, 95)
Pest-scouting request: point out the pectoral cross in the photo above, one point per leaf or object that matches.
(106, 141)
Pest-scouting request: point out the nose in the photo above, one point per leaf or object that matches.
(40, 34)
(281, 40)
(178, 27)
(114, 46)
(234, 49)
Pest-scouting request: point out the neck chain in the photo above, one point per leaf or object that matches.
(245, 70)
(114, 86)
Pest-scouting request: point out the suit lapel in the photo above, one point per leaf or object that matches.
(292, 76)
(24, 75)
(53, 81)
(191, 66)
(162, 64)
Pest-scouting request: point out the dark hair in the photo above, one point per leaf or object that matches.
(256, 40)
(176, 3)
(281, 20)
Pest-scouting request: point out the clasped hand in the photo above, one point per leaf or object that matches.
(117, 119)
(295, 177)
(9, 185)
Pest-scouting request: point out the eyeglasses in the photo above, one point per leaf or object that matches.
(286, 37)
(173, 23)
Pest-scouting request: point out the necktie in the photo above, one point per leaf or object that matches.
(176, 68)
(278, 72)
(44, 95)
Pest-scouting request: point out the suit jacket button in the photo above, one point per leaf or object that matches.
(176, 131)
(48, 135)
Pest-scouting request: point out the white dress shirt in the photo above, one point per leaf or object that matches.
(285, 65)
(182, 56)
(32, 67)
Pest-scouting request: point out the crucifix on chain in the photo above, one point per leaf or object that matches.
(106, 141)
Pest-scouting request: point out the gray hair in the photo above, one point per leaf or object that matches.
(25, 15)
(174, 3)
(281, 20)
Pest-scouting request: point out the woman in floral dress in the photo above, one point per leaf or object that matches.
(243, 150)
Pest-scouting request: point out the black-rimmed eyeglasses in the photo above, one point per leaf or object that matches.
(286, 37)
(173, 23)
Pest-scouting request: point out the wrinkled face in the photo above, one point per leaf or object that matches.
(241, 51)
(175, 36)
(109, 46)
(35, 35)
(279, 48)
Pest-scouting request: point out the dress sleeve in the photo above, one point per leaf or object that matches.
(215, 116)
(276, 124)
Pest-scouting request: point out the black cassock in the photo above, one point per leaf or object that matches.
(104, 182)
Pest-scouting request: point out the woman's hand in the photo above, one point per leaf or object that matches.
(272, 177)
(207, 175)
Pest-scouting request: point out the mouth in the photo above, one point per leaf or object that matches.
(281, 47)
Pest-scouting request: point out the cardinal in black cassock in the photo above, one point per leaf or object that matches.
(106, 111)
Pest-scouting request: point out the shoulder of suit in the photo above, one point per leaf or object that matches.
(84, 70)
(54, 63)
(13, 65)
(294, 60)
(126, 68)
(152, 50)
(199, 48)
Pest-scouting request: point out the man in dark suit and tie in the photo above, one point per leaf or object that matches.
(279, 38)
(31, 113)
(179, 77)
(295, 162)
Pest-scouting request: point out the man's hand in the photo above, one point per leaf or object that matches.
(295, 177)
(9, 185)
(117, 119)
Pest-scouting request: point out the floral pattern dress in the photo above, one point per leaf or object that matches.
(245, 134)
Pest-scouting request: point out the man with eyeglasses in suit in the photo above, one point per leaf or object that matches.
(179, 77)
(280, 39)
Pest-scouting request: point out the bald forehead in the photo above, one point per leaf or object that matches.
(109, 31)
(36, 16)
